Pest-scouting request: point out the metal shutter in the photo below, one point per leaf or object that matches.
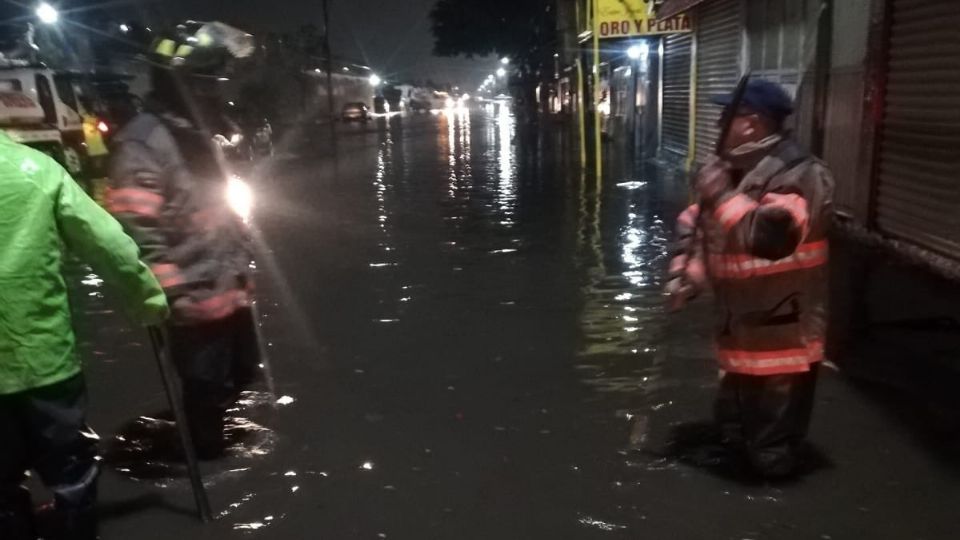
(918, 194)
(719, 42)
(675, 117)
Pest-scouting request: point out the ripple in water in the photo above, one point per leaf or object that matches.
(148, 448)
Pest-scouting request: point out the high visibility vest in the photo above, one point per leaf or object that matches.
(92, 137)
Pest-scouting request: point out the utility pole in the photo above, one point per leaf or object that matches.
(328, 60)
(598, 145)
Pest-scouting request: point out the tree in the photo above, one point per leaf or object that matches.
(514, 28)
(523, 30)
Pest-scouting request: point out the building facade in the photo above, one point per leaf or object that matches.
(877, 87)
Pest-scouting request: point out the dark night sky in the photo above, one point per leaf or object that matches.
(392, 36)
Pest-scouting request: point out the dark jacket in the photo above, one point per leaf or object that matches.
(762, 245)
(168, 188)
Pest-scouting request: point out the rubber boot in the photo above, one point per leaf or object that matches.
(75, 509)
(76, 524)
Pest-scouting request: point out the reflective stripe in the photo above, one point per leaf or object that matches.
(689, 217)
(792, 203)
(165, 47)
(771, 362)
(741, 266)
(169, 275)
(183, 51)
(141, 202)
(731, 212)
(216, 307)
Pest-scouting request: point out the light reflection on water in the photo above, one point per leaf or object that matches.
(598, 524)
(507, 185)
(623, 311)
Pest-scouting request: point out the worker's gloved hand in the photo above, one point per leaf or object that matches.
(713, 180)
(678, 292)
(155, 310)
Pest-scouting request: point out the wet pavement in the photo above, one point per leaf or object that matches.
(469, 339)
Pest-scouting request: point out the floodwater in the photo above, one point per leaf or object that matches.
(468, 341)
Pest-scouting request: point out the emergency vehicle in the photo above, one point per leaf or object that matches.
(59, 96)
(22, 119)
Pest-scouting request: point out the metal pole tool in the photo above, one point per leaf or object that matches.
(175, 397)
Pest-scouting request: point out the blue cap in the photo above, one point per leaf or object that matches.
(765, 97)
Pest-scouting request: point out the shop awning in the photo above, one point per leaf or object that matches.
(669, 8)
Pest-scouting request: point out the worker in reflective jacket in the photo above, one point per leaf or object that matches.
(169, 188)
(759, 237)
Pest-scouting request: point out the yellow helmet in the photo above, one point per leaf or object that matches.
(201, 46)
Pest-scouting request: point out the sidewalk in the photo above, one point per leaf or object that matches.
(897, 328)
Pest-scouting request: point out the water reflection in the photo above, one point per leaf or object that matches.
(507, 185)
(456, 146)
(623, 307)
(598, 524)
(385, 184)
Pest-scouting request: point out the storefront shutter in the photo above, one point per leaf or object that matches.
(719, 42)
(675, 118)
(918, 194)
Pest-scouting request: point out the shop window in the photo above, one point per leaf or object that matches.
(781, 36)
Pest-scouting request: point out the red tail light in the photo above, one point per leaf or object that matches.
(103, 127)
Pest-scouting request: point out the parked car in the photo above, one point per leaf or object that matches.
(355, 112)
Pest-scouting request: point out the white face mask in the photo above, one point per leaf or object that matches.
(755, 146)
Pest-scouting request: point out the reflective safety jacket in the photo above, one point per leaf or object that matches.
(763, 247)
(167, 187)
(43, 210)
(92, 136)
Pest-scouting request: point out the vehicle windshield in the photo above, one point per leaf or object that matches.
(64, 85)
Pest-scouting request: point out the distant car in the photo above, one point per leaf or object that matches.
(418, 106)
(355, 112)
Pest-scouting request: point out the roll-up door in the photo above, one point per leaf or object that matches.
(719, 43)
(675, 117)
(918, 192)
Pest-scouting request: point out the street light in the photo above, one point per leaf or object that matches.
(505, 60)
(47, 13)
(124, 28)
(375, 80)
(635, 52)
(501, 72)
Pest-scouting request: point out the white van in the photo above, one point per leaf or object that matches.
(56, 94)
(23, 120)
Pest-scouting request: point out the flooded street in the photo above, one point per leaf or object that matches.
(468, 340)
